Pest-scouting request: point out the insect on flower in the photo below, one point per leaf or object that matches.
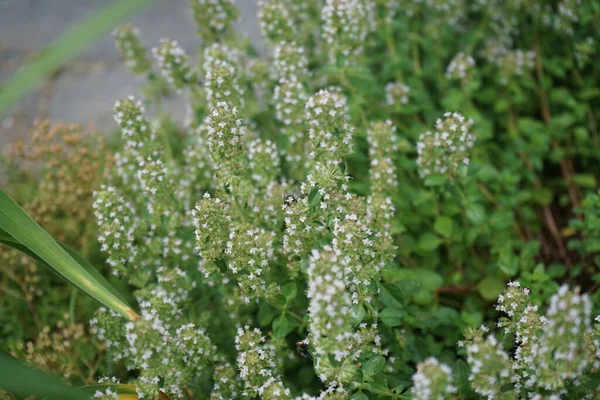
(291, 196)
(302, 349)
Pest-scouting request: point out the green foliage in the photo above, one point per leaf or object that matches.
(338, 237)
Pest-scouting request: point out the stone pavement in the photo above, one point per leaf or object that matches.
(85, 89)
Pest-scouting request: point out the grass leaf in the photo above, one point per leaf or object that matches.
(65, 47)
(26, 235)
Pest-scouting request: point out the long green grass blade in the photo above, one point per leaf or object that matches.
(8, 240)
(23, 230)
(65, 47)
(23, 381)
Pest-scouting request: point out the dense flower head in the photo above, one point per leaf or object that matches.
(346, 24)
(330, 131)
(396, 93)
(214, 18)
(290, 61)
(142, 157)
(221, 76)
(129, 115)
(264, 161)
(212, 224)
(117, 225)
(552, 352)
(256, 363)
(460, 66)
(432, 381)
(227, 385)
(329, 304)
(290, 98)
(564, 17)
(174, 64)
(510, 62)
(225, 133)
(445, 150)
(133, 52)
(561, 352)
(383, 145)
(490, 366)
(276, 21)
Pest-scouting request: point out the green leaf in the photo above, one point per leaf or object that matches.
(491, 287)
(476, 213)
(282, 325)
(372, 366)
(23, 381)
(585, 180)
(359, 313)
(65, 47)
(392, 296)
(25, 233)
(435, 180)
(391, 316)
(443, 226)
(290, 290)
(429, 242)
(359, 396)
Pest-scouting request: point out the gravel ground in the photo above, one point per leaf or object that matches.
(85, 89)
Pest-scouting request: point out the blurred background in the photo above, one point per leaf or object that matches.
(83, 87)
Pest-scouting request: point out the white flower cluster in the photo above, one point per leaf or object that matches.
(117, 226)
(142, 155)
(276, 22)
(132, 50)
(330, 306)
(346, 24)
(174, 64)
(460, 66)
(432, 381)
(256, 363)
(396, 93)
(447, 149)
(225, 133)
(552, 352)
(290, 60)
(510, 62)
(330, 131)
(213, 17)
(264, 161)
(221, 76)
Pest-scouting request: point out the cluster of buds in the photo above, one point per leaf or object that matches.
(330, 131)
(552, 352)
(221, 77)
(225, 133)
(143, 155)
(263, 158)
(565, 17)
(256, 363)
(396, 93)
(460, 66)
(214, 18)
(510, 62)
(174, 64)
(276, 22)
(491, 367)
(561, 351)
(117, 227)
(290, 97)
(445, 150)
(290, 60)
(346, 24)
(432, 381)
(329, 310)
(133, 52)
